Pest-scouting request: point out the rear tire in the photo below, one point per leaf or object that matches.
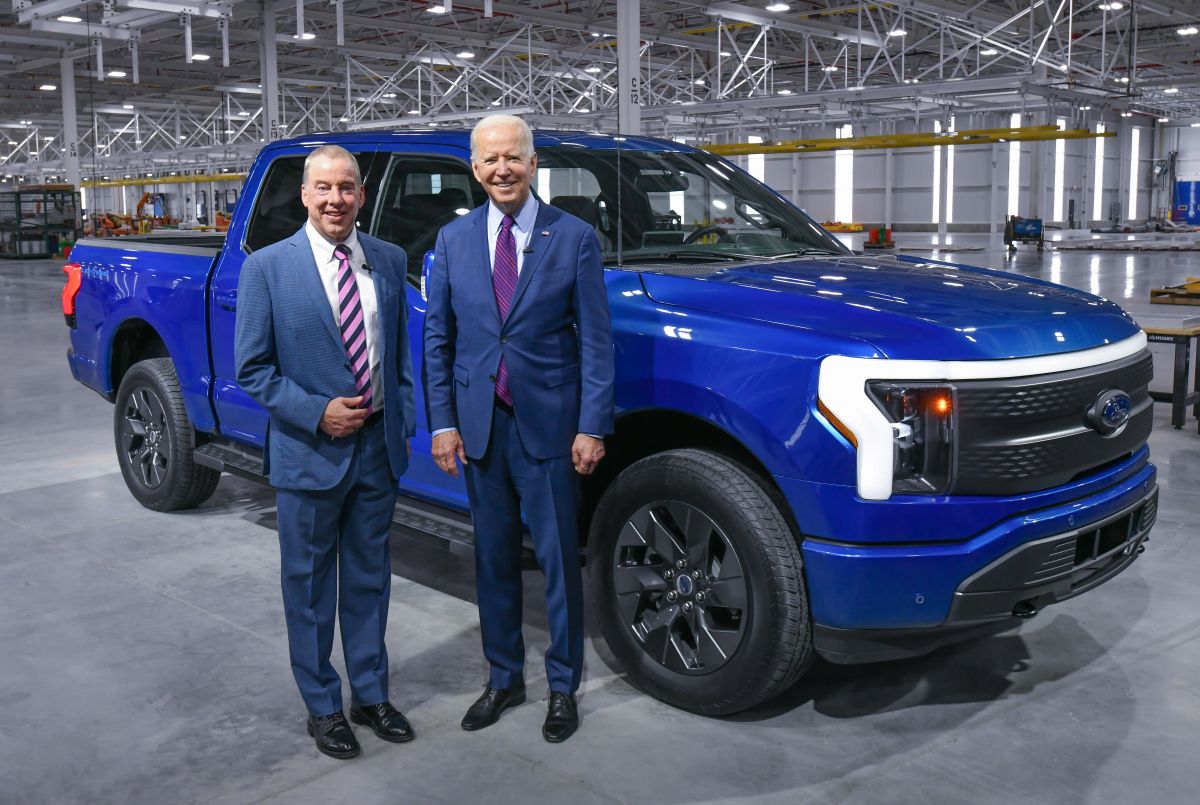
(155, 440)
(736, 630)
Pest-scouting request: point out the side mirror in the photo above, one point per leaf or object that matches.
(426, 267)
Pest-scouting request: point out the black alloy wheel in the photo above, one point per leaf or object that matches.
(155, 440)
(697, 582)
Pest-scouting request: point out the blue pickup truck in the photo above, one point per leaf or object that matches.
(816, 453)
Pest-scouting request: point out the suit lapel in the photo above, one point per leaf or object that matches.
(312, 283)
(539, 244)
(483, 258)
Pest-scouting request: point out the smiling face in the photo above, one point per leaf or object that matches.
(503, 167)
(332, 194)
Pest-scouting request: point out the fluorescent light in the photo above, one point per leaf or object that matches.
(830, 68)
(126, 106)
(592, 69)
(69, 18)
(466, 54)
(785, 92)
(1085, 108)
(1196, 125)
(306, 36)
(47, 138)
(200, 57)
(699, 82)
(1164, 120)
(1124, 79)
(116, 73)
(414, 111)
(389, 95)
(1111, 6)
(897, 32)
(1190, 30)
(1170, 90)
(988, 52)
(1127, 114)
(496, 102)
(778, 7)
(47, 88)
(243, 114)
(435, 8)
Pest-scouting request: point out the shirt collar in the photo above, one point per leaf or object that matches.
(324, 246)
(524, 218)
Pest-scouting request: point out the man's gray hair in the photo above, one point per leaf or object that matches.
(332, 152)
(524, 134)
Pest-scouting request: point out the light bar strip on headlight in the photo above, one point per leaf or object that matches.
(842, 391)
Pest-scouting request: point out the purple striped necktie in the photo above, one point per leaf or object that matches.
(504, 282)
(353, 325)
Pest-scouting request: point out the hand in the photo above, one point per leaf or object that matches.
(586, 453)
(343, 416)
(447, 447)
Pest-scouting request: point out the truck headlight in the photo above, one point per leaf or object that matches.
(922, 416)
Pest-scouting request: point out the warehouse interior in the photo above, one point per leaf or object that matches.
(145, 655)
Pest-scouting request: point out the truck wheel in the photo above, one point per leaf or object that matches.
(155, 440)
(697, 581)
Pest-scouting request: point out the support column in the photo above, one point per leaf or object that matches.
(994, 214)
(889, 182)
(629, 80)
(943, 180)
(269, 73)
(70, 131)
(796, 179)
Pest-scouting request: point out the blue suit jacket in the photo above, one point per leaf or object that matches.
(291, 359)
(556, 340)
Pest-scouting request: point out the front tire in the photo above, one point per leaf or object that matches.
(155, 440)
(697, 581)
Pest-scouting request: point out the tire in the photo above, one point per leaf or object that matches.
(746, 635)
(155, 440)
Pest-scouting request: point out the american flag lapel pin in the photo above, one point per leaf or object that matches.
(545, 233)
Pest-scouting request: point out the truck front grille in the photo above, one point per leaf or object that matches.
(1020, 435)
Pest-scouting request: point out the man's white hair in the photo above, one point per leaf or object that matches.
(524, 134)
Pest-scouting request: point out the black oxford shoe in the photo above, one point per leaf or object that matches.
(488, 707)
(384, 720)
(562, 718)
(333, 735)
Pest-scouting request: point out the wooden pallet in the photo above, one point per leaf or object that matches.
(1187, 293)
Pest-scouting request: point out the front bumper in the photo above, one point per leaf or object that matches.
(884, 602)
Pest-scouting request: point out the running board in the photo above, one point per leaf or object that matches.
(418, 519)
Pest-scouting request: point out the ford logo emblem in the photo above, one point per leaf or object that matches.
(684, 585)
(1110, 411)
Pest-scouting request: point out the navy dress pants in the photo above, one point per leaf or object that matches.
(334, 560)
(502, 484)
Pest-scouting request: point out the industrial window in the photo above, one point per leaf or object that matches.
(937, 177)
(1014, 168)
(1134, 136)
(756, 164)
(1060, 165)
(843, 179)
(1098, 187)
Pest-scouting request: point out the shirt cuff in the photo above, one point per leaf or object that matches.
(444, 430)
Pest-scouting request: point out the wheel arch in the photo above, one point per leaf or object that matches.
(133, 340)
(646, 432)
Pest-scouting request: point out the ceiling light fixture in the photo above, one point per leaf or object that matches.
(1111, 6)
(785, 92)
(830, 68)
(435, 8)
(1170, 90)
(200, 57)
(126, 106)
(1164, 120)
(989, 52)
(1190, 30)
(592, 69)
(1085, 108)
(699, 82)
(116, 73)
(898, 32)
(47, 87)
(69, 18)
(414, 111)
(778, 7)
(466, 54)
(1127, 114)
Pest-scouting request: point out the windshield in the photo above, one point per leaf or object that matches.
(675, 206)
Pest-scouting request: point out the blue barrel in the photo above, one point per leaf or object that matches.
(1187, 203)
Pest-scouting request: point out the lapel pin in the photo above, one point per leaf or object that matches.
(545, 233)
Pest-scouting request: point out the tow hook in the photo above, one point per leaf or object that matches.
(1025, 609)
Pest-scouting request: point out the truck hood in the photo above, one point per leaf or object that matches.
(905, 309)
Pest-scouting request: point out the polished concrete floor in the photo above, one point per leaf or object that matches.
(143, 656)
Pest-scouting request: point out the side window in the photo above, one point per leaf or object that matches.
(278, 211)
(422, 194)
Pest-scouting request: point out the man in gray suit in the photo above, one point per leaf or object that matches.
(321, 344)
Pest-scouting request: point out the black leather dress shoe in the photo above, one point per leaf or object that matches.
(333, 735)
(385, 721)
(562, 718)
(488, 707)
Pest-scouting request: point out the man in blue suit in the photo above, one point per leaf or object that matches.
(519, 374)
(321, 344)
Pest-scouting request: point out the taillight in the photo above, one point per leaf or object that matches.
(74, 272)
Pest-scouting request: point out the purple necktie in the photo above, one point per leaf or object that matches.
(504, 282)
(353, 325)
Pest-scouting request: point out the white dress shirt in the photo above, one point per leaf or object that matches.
(522, 229)
(327, 267)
